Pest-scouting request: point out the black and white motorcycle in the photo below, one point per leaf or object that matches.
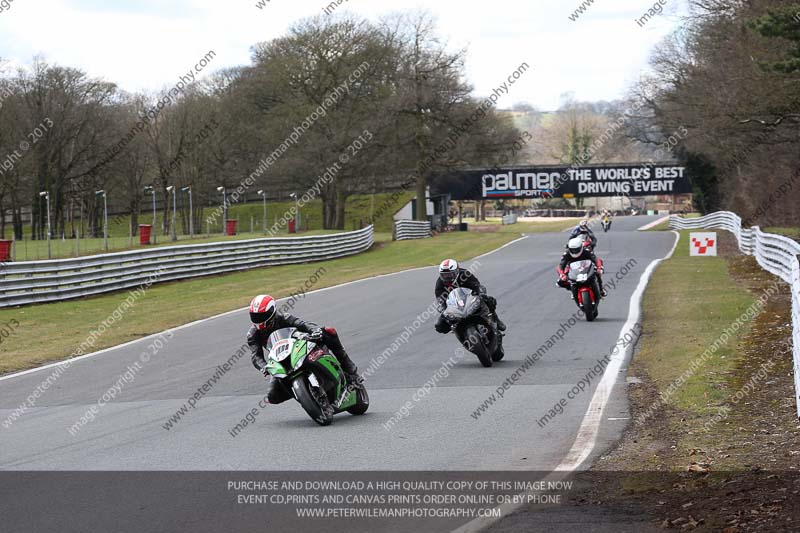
(475, 327)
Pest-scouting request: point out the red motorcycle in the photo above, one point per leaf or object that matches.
(582, 277)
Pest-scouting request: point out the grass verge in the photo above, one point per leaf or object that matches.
(713, 440)
(688, 304)
(45, 333)
(792, 233)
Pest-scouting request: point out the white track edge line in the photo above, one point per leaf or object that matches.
(221, 315)
(653, 224)
(590, 426)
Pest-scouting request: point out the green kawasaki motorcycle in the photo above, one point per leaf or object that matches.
(314, 376)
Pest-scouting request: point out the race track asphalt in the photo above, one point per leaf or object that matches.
(440, 432)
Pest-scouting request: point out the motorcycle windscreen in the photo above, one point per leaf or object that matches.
(461, 303)
(279, 344)
(581, 270)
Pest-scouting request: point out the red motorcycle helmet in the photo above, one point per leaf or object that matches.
(263, 311)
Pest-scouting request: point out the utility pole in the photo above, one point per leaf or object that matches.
(105, 216)
(46, 196)
(191, 212)
(152, 191)
(171, 189)
(224, 208)
(296, 211)
(263, 194)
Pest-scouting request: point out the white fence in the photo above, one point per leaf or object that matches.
(775, 253)
(51, 281)
(411, 229)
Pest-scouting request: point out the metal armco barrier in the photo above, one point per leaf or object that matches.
(411, 229)
(571, 213)
(775, 253)
(52, 281)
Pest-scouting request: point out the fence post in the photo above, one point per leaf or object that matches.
(796, 328)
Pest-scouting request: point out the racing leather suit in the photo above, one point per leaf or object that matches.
(586, 255)
(465, 280)
(581, 231)
(257, 339)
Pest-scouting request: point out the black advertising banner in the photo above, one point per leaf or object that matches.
(564, 182)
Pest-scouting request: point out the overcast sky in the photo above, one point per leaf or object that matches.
(148, 44)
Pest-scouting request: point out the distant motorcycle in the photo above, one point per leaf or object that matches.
(582, 276)
(606, 223)
(314, 376)
(471, 320)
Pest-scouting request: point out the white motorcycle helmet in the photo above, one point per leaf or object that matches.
(575, 247)
(448, 270)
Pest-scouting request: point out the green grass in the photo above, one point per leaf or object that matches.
(37, 250)
(52, 332)
(358, 210)
(688, 304)
(793, 233)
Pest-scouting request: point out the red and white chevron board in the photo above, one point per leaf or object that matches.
(703, 244)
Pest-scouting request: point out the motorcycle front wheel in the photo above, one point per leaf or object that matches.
(476, 346)
(499, 351)
(588, 307)
(498, 354)
(321, 414)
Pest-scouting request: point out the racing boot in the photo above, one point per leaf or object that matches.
(350, 369)
(500, 324)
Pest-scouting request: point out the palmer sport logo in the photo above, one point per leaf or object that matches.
(523, 184)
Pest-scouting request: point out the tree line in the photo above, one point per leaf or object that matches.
(321, 85)
(730, 79)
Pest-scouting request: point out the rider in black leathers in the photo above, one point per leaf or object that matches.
(571, 255)
(257, 339)
(584, 229)
(452, 276)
